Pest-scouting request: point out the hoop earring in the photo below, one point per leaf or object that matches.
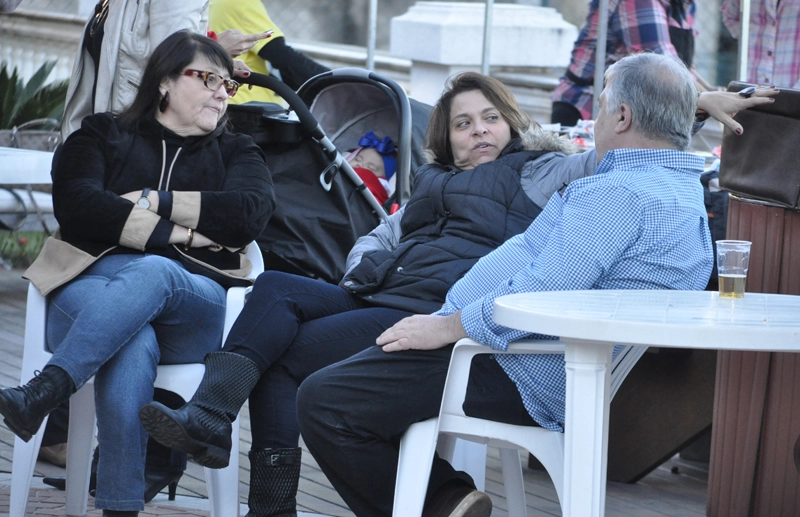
(162, 106)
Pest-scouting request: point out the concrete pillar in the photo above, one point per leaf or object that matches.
(443, 38)
(574, 11)
(30, 38)
(706, 44)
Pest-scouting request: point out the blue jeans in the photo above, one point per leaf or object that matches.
(292, 326)
(119, 319)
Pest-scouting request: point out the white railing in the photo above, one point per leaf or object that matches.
(28, 39)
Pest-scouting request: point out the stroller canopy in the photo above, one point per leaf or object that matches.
(322, 204)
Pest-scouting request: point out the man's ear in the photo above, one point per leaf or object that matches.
(624, 119)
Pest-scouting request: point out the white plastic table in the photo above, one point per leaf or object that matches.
(591, 322)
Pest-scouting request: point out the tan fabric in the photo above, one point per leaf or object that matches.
(245, 266)
(138, 228)
(57, 263)
(186, 209)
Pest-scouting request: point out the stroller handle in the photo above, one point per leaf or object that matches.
(403, 186)
(307, 120)
(311, 126)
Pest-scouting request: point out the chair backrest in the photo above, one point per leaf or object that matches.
(622, 365)
(256, 258)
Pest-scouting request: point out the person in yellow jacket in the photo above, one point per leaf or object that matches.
(250, 17)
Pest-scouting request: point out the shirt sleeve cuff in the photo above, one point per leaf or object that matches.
(473, 322)
(160, 236)
(447, 310)
(164, 204)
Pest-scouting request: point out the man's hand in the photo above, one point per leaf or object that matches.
(723, 106)
(421, 332)
(236, 43)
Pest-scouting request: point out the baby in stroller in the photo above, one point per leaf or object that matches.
(375, 162)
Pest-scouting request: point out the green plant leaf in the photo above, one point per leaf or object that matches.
(27, 92)
(47, 102)
(8, 94)
(20, 102)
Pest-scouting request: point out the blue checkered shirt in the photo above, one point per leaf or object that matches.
(638, 223)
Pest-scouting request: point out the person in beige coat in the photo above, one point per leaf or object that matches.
(117, 42)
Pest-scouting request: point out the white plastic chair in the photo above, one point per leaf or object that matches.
(440, 434)
(183, 379)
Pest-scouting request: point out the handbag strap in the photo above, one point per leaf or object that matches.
(20, 216)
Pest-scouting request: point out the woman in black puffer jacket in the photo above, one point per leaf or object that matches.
(471, 199)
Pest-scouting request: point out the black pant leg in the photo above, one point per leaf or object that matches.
(492, 395)
(278, 305)
(353, 414)
(55, 431)
(317, 344)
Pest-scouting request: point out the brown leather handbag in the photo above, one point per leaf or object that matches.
(764, 162)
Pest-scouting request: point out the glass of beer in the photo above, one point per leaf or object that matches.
(733, 259)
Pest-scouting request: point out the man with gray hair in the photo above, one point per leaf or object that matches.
(638, 223)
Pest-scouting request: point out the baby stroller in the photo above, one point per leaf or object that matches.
(323, 207)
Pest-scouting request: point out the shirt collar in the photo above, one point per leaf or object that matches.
(630, 158)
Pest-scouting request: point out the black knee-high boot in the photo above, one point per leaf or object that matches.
(274, 475)
(25, 407)
(202, 427)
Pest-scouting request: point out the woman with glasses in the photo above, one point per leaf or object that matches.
(155, 205)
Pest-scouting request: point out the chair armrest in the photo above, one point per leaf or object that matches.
(233, 306)
(237, 296)
(455, 387)
(256, 258)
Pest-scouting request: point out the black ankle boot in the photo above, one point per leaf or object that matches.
(202, 427)
(155, 482)
(119, 513)
(274, 475)
(155, 479)
(24, 407)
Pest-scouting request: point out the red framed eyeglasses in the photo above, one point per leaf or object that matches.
(213, 81)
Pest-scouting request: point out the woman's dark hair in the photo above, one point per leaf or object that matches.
(437, 137)
(168, 60)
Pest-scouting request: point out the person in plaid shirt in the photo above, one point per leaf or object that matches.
(660, 26)
(774, 43)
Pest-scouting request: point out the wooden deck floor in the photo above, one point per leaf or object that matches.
(677, 488)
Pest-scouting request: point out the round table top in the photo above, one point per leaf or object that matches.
(681, 319)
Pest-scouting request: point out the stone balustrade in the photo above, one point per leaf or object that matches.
(444, 38)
